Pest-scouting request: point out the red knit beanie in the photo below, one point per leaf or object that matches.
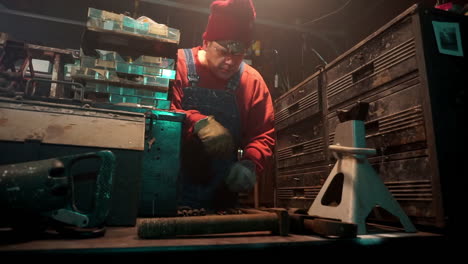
(231, 20)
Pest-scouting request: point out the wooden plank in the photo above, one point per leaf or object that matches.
(72, 127)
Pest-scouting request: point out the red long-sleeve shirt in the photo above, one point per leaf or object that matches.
(253, 100)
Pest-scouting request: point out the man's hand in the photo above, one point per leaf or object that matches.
(242, 176)
(216, 139)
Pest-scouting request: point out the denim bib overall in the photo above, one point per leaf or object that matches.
(202, 177)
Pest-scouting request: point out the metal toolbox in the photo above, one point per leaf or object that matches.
(300, 102)
(161, 159)
(34, 130)
(161, 164)
(396, 120)
(298, 186)
(300, 145)
(412, 120)
(383, 57)
(415, 88)
(299, 125)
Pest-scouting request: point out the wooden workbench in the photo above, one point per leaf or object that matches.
(124, 242)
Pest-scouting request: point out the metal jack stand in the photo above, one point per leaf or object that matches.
(353, 188)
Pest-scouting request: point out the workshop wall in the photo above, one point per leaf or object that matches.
(286, 55)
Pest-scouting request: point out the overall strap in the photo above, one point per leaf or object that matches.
(191, 69)
(235, 80)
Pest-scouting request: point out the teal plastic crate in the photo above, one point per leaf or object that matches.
(125, 67)
(158, 104)
(125, 91)
(120, 23)
(143, 60)
(160, 84)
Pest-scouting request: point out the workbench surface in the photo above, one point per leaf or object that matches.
(124, 241)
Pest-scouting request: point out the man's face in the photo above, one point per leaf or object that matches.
(224, 57)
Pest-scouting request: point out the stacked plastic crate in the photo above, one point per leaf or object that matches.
(124, 72)
(129, 64)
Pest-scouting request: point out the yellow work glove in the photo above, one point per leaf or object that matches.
(216, 139)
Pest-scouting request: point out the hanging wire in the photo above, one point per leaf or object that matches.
(327, 15)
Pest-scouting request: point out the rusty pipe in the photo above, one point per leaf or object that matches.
(201, 225)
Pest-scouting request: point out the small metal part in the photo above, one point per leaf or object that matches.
(240, 154)
(151, 142)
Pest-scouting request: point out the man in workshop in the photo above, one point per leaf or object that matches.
(229, 126)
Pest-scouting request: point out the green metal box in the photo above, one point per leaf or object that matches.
(34, 130)
(161, 160)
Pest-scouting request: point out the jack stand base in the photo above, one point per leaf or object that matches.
(353, 188)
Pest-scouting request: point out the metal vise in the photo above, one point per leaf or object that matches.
(48, 188)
